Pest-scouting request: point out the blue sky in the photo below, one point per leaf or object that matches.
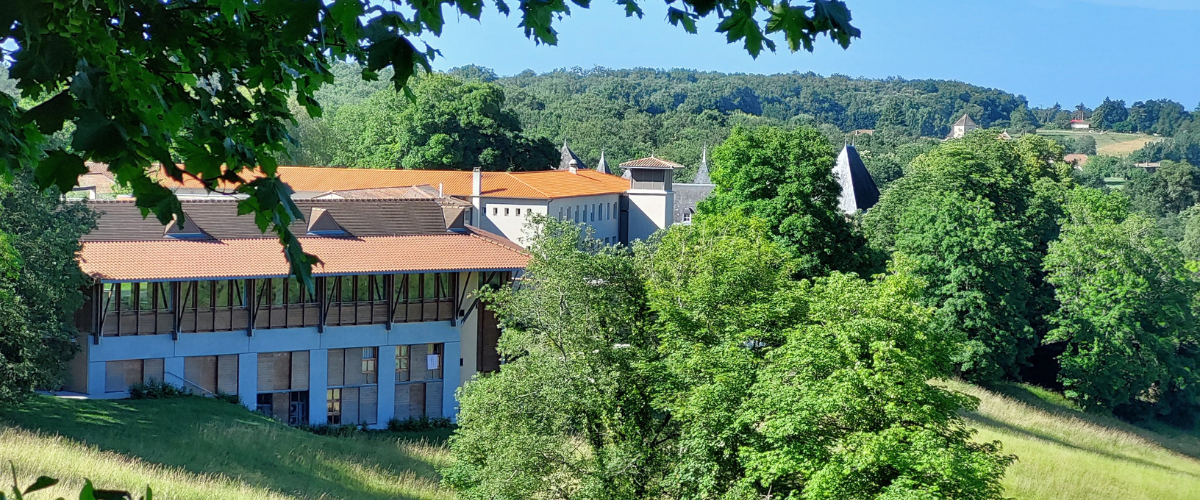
(1051, 51)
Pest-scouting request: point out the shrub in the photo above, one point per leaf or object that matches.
(420, 424)
(156, 390)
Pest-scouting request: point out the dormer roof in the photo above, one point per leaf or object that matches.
(189, 230)
(569, 159)
(650, 162)
(321, 222)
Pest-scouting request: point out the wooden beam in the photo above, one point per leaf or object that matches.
(251, 307)
(176, 309)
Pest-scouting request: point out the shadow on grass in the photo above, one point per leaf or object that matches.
(1181, 441)
(205, 436)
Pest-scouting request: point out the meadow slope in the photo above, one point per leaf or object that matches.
(194, 448)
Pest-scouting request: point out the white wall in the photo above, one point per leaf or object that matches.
(500, 216)
(603, 213)
(649, 211)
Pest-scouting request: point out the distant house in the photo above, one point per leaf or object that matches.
(1149, 167)
(962, 127)
(858, 188)
(1076, 159)
(864, 131)
(1080, 124)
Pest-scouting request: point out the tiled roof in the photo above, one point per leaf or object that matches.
(262, 257)
(651, 162)
(545, 184)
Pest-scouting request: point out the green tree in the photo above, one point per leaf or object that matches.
(1085, 144)
(1173, 187)
(451, 124)
(785, 177)
(664, 375)
(1108, 114)
(973, 218)
(210, 80)
(1126, 318)
(1022, 121)
(40, 285)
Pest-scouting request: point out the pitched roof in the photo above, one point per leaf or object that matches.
(602, 165)
(965, 121)
(651, 162)
(349, 236)
(263, 257)
(702, 172)
(858, 188)
(568, 156)
(543, 184)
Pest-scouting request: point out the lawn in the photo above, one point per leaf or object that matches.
(196, 448)
(1065, 454)
(1108, 143)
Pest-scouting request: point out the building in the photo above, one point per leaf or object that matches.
(502, 201)
(390, 332)
(1079, 120)
(859, 192)
(688, 195)
(648, 205)
(962, 127)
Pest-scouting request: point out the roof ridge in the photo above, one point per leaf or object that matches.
(518, 179)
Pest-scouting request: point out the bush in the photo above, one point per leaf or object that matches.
(156, 390)
(336, 430)
(420, 424)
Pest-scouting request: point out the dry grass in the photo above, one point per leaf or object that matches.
(1065, 454)
(1108, 143)
(194, 448)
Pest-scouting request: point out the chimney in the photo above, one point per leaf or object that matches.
(574, 167)
(476, 182)
(440, 192)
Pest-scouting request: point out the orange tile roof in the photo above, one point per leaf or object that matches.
(651, 162)
(545, 184)
(161, 260)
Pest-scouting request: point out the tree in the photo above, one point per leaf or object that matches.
(1085, 144)
(973, 217)
(1172, 188)
(451, 124)
(208, 82)
(1108, 114)
(786, 178)
(40, 285)
(697, 369)
(1126, 318)
(1022, 121)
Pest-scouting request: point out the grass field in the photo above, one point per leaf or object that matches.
(1108, 143)
(193, 448)
(1064, 454)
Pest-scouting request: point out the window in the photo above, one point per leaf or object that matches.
(402, 363)
(687, 217)
(370, 358)
(518, 211)
(495, 211)
(506, 212)
(560, 212)
(334, 406)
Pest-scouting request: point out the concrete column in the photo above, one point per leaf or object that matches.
(95, 379)
(387, 384)
(173, 372)
(318, 384)
(248, 379)
(452, 356)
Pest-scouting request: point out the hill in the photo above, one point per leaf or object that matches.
(193, 448)
(197, 448)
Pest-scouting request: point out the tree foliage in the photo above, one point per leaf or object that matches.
(698, 369)
(450, 124)
(40, 285)
(973, 217)
(1131, 344)
(785, 178)
(208, 81)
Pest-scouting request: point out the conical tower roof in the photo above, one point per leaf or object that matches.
(602, 166)
(568, 157)
(702, 172)
(858, 188)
